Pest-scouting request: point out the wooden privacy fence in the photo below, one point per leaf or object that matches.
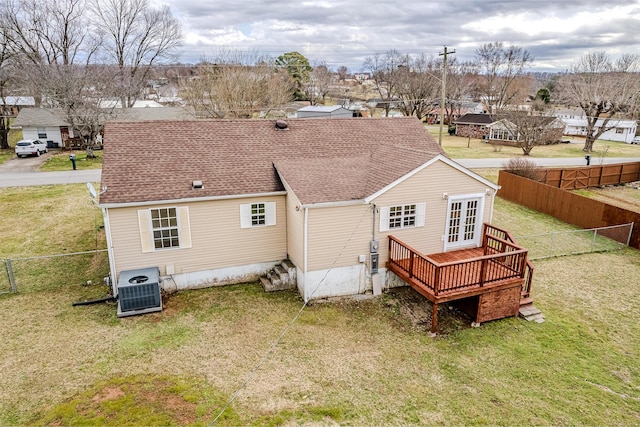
(591, 176)
(569, 207)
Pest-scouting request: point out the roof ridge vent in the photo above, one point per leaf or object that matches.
(282, 125)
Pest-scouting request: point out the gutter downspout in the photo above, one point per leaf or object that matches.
(112, 262)
(373, 228)
(305, 241)
(493, 198)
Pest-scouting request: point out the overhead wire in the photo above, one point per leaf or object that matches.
(290, 324)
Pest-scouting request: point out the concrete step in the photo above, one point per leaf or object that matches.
(531, 314)
(274, 278)
(281, 272)
(266, 284)
(280, 278)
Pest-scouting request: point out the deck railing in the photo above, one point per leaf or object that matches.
(493, 231)
(502, 259)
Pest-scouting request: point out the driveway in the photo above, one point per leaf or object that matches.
(24, 164)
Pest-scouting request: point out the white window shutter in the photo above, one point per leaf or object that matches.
(384, 219)
(270, 212)
(146, 233)
(421, 209)
(184, 232)
(245, 216)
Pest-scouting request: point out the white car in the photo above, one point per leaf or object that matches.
(636, 140)
(28, 147)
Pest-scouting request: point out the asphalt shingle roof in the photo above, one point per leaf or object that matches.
(323, 160)
(40, 117)
(475, 119)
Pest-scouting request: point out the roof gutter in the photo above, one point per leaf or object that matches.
(333, 204)
(189, 200)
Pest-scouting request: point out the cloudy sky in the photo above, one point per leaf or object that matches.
(347, 32)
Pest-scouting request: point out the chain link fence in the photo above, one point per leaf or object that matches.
(49, 272)
(575, 242)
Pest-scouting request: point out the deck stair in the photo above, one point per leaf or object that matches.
(491, 281)
(279, 278)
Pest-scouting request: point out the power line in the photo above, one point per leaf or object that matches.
(289, 325)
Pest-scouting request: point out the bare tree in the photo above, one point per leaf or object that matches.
(499, 67)
(418, 86)
(238, 85)
(137, 36)
(51, 32)
(386, 75)
(526, 130)
(460, 85)
(343, 72)
(603, 89)
(319, 83)
(55, 48)
(7, 73)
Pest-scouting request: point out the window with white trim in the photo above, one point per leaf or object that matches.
(164, 228)
(164, 222)
(402, 216)
(260, 214)
(42, 133)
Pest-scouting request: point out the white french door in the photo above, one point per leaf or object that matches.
(464, 221)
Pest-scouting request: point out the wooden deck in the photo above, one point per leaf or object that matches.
(494, 278)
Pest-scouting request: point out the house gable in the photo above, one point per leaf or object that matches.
(443, 159)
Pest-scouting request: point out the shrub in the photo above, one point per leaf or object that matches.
(525, 168)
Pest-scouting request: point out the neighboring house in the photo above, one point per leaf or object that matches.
(323, 111)
(146, 114)
(224, 201)
(503, 132)
(460, 109)
(11, 105)
(474, 125)
(44, 124)
(618, 130)
(111, 103)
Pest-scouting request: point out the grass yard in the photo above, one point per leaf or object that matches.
(349, 362)
(624, 196)
(59, 161)
(465, 148)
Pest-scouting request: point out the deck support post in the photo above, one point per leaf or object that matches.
(434, 318)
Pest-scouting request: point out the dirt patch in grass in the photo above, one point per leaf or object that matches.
(138, 400)
(415, 310)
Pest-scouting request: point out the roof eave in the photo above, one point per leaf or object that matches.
(190, 200)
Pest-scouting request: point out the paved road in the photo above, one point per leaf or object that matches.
(18, 179)
(17, 172)
(12, 176)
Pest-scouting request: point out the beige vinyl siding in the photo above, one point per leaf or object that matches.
(217, 240)
(330, 229)
(295, 230)
(428, 186)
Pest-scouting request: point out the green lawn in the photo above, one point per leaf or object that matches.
(471, 148)
(349, 362)
(59, 161)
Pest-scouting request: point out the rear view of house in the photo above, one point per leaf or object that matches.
(225, 201)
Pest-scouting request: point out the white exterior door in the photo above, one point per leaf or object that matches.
(464, 221)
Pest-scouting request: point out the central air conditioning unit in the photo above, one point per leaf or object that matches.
(139, 292)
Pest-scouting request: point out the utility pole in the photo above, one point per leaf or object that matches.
(444, 86)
